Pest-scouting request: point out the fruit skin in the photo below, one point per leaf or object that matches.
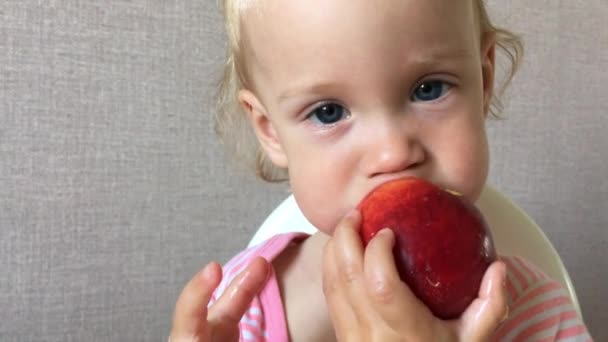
(443, 244)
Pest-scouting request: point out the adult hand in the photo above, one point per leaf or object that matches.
(367, 300)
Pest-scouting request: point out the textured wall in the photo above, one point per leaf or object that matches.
(551, 154)
(114, 191)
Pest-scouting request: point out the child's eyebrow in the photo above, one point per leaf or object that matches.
(428, 59)
(440, 54)
(308, 87)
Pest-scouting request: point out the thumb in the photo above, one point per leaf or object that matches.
(490, 309)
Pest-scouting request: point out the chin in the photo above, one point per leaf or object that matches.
(324, 220)
(327, 225)
(470, 186)
(471, 193)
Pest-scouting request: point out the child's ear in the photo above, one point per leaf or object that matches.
(488, 59)
(263, 128)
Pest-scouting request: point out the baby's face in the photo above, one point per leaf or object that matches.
(352, 93)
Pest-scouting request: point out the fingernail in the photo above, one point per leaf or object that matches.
(495, 285)
(238, 285)
(233, 293)
(503, 274)
(506, 315)
(385, 230)
(352, 214)
(207, 272)
(388, 232)
(244, 277)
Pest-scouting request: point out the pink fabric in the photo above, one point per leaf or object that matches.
(540, 308)
(265, 318)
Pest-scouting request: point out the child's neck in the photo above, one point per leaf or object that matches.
(299, 274)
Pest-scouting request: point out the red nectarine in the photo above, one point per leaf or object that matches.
(443, 245)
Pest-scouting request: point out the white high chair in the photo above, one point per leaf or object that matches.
(514, 232)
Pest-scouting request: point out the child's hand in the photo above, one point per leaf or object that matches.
(193, 321)
(367, 300)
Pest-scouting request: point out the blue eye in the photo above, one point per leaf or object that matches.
(430, 91)
(328, 113)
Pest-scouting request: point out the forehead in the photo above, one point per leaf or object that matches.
(297, 35)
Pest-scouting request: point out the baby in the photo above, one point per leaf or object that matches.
(344, 95)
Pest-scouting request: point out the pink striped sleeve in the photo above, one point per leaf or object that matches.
(540, 308)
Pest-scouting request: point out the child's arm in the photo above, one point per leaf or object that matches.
(193, 321)
(367, 300)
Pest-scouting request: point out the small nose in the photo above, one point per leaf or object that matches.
(393, 149)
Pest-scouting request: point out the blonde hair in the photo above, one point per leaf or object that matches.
(232, 125)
